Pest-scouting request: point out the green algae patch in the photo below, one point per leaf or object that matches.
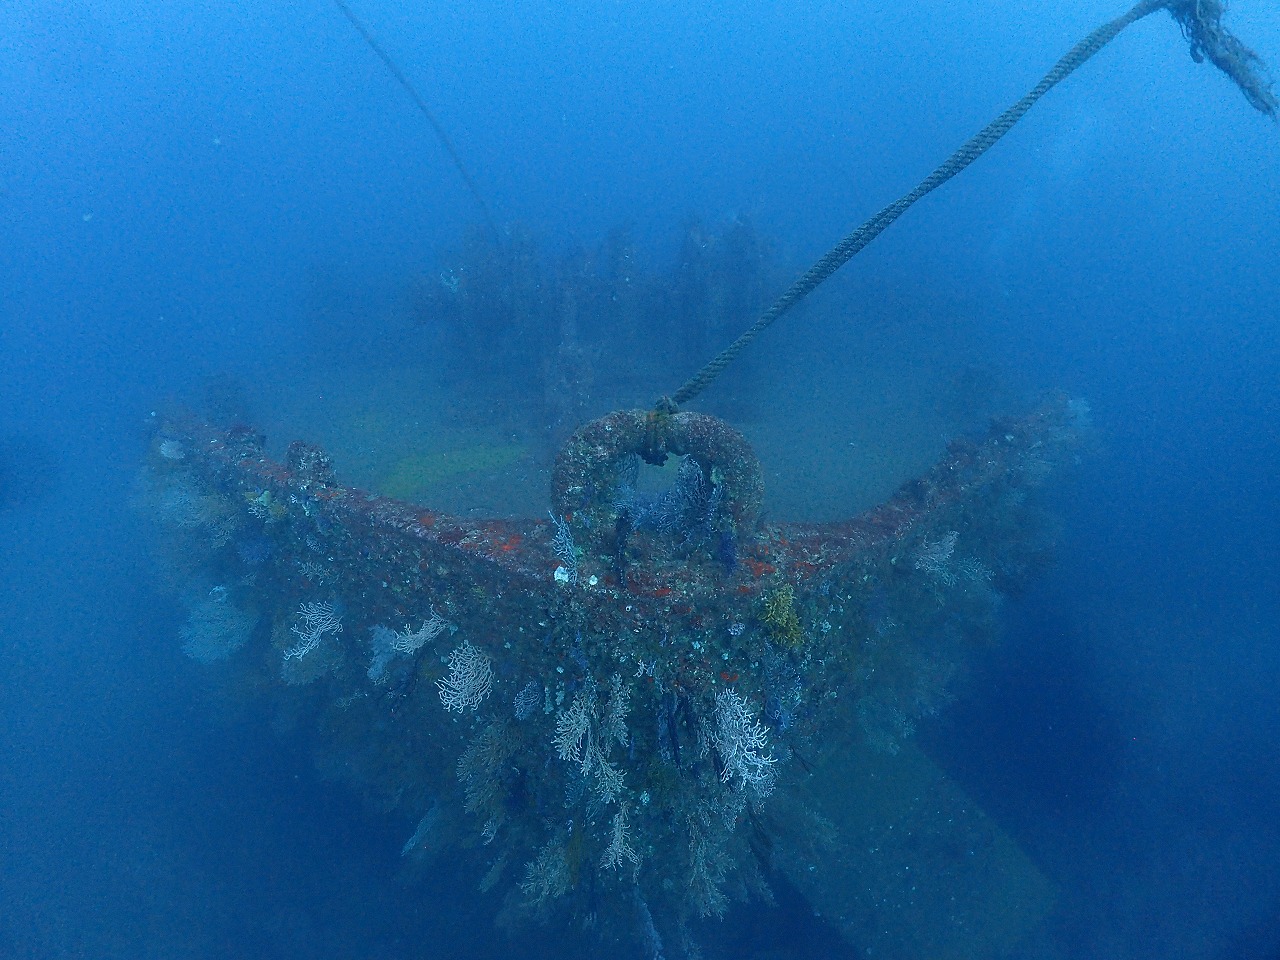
(418, 473)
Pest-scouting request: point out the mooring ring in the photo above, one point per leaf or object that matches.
(590, 465)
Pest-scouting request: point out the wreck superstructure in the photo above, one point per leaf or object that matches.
(647, 703)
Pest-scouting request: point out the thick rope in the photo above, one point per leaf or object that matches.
(426, 112)
(1199, 20)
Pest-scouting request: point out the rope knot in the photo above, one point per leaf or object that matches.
(654, 449)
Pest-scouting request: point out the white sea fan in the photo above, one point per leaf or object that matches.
(609, 779)
(619, 848)
(470, 679)
(743, 744)
(573, 730)
(527, 700)
(315, 621)
(565, 550)
(410, 641)
(933, 558)
(614, 727)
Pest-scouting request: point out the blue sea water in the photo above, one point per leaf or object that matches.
(206, 190)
